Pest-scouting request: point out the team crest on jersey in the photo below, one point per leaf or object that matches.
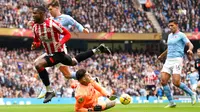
(80, 100)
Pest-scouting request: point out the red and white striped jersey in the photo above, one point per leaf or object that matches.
(150, 78)
(48, 33)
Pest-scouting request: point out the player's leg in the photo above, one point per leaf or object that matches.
(198, 84)
(66, 72)
(194, 87)
(43, 91)
(167, 91)
(198, 88)
(165, 76)
(85, 55)
(176, 79)
(148, 91)
(177, 82)
(40, 65)
(104, 106)
(40, 57)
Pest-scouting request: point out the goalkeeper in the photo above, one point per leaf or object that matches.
(87, 93)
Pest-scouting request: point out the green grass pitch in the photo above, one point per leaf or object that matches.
(181, 107)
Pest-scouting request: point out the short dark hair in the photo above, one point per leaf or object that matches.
(54, 3)
(80, 74)
(173, 20)
(41, 8)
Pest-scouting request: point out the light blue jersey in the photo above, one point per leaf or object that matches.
(67, 21)
(193, 77)
(176, 44)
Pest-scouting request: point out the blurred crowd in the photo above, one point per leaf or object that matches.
(185, 11)
(110, 15)
(96, 15)
(121, 72)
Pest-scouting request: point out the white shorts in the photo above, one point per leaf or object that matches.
(43, 55)
(194, 86)
(173, 66)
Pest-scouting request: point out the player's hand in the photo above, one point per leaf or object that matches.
(58, 45)
(85, 30)
(33, 46)
(158, 59)
(190, 55)
(189, 52)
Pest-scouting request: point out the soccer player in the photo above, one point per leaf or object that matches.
(197, 66)
(174, 62)
(87, 93)
(67, 21)
(47, 32)
(193, 78)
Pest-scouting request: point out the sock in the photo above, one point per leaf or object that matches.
(85, 55)
(168, 93)
(44, 76)
(186, 89)
(147, 97)
(108, 105)
(49, 89)
(73, 75)
(96, 51)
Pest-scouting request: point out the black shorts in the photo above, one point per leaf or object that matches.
(150, 87)
(58, 57)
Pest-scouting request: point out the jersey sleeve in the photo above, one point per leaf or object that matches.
(36, 40)
(71, 22)
(100, 89)
(57, 27)
(185, 39)
(61, 30)
(188, 77)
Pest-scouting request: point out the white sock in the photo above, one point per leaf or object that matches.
(73, 75)
(94, 51)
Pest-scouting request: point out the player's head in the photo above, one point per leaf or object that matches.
(54, 8)
(198, 52)
(173, 25)
(83, 77)
(39, 14)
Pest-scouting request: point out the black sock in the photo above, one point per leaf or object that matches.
(44, 76)
(147, 97)
(85, 55)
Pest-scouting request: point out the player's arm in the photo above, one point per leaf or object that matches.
(100, 88)
(36, 42)
(63, 31)
(73, 22)
(162, 55)
(190, 47)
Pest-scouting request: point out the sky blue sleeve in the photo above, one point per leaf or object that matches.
(197, 76)
(71, 22)
(185, 39)
(187, 77)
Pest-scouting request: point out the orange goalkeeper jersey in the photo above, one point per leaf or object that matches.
(87, 96)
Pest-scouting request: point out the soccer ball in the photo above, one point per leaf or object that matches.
(125, 99)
